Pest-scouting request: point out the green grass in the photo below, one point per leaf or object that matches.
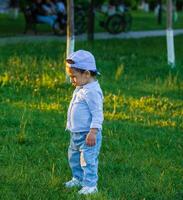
(141, 155)
(12, 27)
(144, 21)
(148, 21)
(141, 21)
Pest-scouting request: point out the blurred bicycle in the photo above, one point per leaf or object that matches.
(116, 19)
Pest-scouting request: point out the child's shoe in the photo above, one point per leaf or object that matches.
(73, 183)
(88, 190)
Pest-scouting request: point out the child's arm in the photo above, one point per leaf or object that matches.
(95, 103)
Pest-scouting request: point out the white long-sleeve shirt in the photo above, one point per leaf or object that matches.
(86, 108)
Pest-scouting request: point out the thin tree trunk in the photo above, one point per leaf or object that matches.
(169, 14)
(160, 12)
(91, 21)
(70, 30)
(70, 27)
(170, 37)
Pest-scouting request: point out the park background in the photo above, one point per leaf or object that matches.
(141, 155)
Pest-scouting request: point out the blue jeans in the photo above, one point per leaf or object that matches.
(83, 159)
(50, 20)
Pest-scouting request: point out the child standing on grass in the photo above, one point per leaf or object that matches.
(84, 122)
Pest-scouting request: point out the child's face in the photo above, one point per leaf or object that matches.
(77, 78)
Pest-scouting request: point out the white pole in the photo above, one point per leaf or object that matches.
(170, 36)
(70, 30)
(170, 47)
(70, 45)
(70, 27)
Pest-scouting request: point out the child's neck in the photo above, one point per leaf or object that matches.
(92, 79)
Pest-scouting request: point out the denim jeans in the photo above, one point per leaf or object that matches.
(50, 20)
(83, 159)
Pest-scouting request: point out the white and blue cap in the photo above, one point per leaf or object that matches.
(82, 59)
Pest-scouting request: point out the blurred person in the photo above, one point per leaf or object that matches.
(14, 5)
(60, 11)
(60, 6)
(42, 15)
(49, 7)
(158, 11)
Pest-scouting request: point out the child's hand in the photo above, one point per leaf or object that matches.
(91, 137)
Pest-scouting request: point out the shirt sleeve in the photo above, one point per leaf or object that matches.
(94, 100)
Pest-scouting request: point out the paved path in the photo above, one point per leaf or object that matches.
(132, 34)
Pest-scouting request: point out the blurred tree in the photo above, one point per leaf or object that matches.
(159, 11)
(92, 4)
(179, 5)
(91, 20)
(170, 36)
(70, 30)
(24, 3)
(70, 27)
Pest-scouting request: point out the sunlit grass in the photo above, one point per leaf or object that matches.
(117, 106)
(147, 110)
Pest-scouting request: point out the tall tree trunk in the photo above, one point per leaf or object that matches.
(91, 21)
(160, 12)
(169, 14)
(70, 27)
(70, 30)
(170, 37)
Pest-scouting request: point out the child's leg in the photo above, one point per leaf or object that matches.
(74, 163)
(89, 162)
(74, 156)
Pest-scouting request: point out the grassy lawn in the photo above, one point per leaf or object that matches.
(141, 21)
(148, 21)
(141, 156)
(12, 27)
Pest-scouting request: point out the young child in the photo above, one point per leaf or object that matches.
(84, 121)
